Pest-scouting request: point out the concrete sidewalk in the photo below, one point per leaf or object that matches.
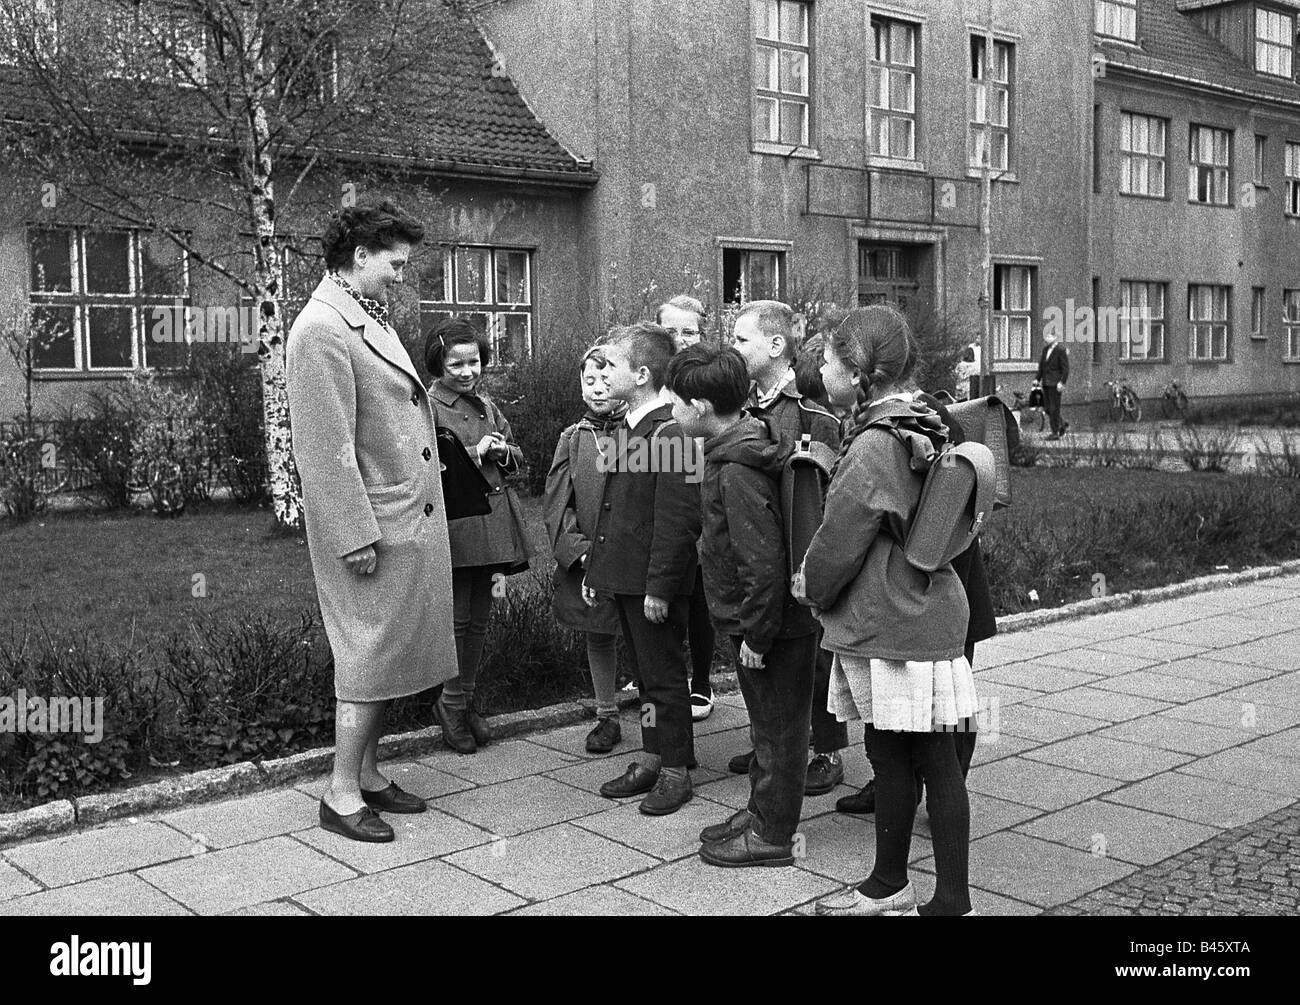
(1122, 750)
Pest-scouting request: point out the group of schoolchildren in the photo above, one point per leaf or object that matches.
(666, 554)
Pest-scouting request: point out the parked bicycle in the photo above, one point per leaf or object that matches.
(1173, 402)
(1124, 402)
(1030, 409)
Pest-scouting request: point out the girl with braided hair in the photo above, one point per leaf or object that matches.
(897, 633)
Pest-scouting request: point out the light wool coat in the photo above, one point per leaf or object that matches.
(364, 443)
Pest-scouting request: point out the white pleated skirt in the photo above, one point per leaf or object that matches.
(911, 696)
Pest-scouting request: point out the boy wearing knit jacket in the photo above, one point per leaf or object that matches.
(746, 581)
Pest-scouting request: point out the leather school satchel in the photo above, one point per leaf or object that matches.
(464, 489)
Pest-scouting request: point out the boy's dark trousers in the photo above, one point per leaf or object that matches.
(662, 675)
(779, 699)
(828, 733)
(1052, 406)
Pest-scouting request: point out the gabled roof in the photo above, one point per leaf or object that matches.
(465, 115)
(1173, 46)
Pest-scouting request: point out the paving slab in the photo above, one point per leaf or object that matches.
(421, 889)
(247, 818)
(1182, 735)
(723, 717)
(672, 837)
(1045, 724)
(120, 895)
(714, 750)
(1034, 783)
(420, 836)
(1034, 871)
(270, 909)
(222, 881)
(103, 851)
(1033, 643)
(1115, 831)
(1155, 649)
(1200, 800)
(1285, 744)
(551, 861)
(1252, 718)
(1110, 706)
(598, 901)
(990, 747)
(988, 814)
(1217, 632)
(499, 762)
(1035, 675)
(572, 740)
(1097, 662)
(1266, 653)
(1112, 758)
(1213, 669)
(522, 804)
(1161, 686)
(990, 691)
(688, 886)
(1260, 769)
(13, 883)
(1283, 691)
(843, 848)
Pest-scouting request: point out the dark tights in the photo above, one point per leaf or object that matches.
(701, 637)
(896, 759)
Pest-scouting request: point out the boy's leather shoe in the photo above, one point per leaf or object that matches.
(633, 782)
(394, 799)
(825, 771)
(478, 726)
(455, 731)
(607, 734)
(735, 824)
(746, 849)
(858, 802)
(363, 825)
(667, 796)
(852, 903)
(739, 765)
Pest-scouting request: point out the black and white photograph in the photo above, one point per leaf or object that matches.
(823, 458)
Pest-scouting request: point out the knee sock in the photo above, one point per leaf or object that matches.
(602, 657)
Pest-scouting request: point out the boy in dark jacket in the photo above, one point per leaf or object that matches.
(748, 587)
(764, 335)
(644, 554)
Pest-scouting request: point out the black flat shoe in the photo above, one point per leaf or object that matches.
(455, 730)
(635, 781)
(394, 799)
(363, 825)
(478, 726)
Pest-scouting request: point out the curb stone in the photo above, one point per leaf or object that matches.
(215, 783)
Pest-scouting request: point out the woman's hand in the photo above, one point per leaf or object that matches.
(493, 447)
(588, 594)
(749, 659)
(362, 561)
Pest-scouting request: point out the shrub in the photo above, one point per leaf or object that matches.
(1144, 455)
(1025, 454)
(102, 443)
(1207, 449)
(1284, 462)
(21, 491)
(170, 448)
(263, 688)
(229, 394)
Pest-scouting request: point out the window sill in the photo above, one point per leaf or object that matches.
(1147, 361)
(1211, 205)
(895, 164)
(51, 376)
(1003, 176)
(1259, 338)
(1144, 195)
(1209, 362)
(785, 150)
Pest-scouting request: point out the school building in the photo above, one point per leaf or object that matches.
(579, 157)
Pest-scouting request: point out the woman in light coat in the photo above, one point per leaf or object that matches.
(364, 443)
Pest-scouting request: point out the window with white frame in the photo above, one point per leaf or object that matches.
(1258, 296)
(100, 290)
(1116, 19)
(1209, 168)
(1292, 204)
(491, 287)
(1209, 321)
(892, 87)
(1013, 303)
(991, 102)
(752, 274)
(782, 72)
(1274, 42)
(1142, 165)
(1142, 320)
(1291, 321)
(1261, 158)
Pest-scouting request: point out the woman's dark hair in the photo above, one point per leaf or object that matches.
(452, 332)
(808, 370)
(372, 226)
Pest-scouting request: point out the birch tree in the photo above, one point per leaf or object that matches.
(211, 122)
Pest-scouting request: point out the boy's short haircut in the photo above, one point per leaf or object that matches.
(593, 355)
(683, 303)
(773, 318)
(710, 373)
(647, 346)
(450, 332)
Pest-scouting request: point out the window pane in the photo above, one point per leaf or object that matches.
(54, 345)
(876, 85)
(162, 266)
(794, 22)
(433, 266)
(901, 139)
(765, 119)
(767, 68)
(108, 262)
(901, 91)
(1001, 107)
(794, 122)
(51, 259)
(512, 277)
(111, 332)
(471, 276)
(794, 71)
(512, 338)
(165, 355)
(763, 276)
(765, 19)
(901, 44)
(429, 320)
